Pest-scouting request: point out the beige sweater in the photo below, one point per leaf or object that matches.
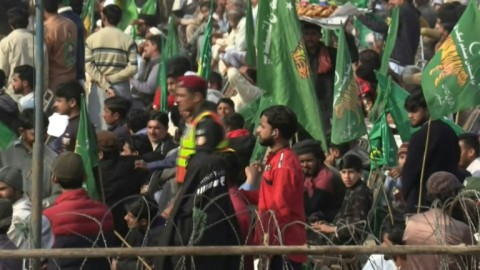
(110, 52)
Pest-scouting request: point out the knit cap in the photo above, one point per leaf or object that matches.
(441, 183)
(12, 176)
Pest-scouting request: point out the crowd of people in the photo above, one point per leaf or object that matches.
(184, 176)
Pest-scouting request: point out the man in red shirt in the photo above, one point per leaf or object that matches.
(280, 204)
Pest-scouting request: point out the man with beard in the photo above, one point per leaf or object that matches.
(442, 153)
(279, 209)
(324, 189)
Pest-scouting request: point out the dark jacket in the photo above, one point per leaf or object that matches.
(203, 215)
(243, 146)
(162, 149)
(9, 264)
(140, 238)
(408, 35)
(120, 180)
(443, 154)
(351, 221)
(78, 222)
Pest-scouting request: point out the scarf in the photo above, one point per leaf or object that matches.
(237, 133)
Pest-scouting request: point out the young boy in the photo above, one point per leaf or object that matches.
(114, 113)
(349, 224)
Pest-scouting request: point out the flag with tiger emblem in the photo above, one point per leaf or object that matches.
(451, 80)
(348, 122)
(283, 69)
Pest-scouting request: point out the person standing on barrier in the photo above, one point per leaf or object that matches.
(280, 204)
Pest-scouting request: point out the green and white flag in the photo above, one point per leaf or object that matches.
(348, 123)
(283, 69)
(86, 147)
(451, 80)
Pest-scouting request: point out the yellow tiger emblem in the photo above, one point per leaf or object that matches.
(300, 58)
(349, 101)
(450, 65)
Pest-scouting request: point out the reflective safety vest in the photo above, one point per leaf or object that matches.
(187, 144)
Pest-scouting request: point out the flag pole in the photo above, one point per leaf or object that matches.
(38, 146)
(419, 206)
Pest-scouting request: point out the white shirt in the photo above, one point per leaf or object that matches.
(26, 102)
(378, 262)
(474, 167)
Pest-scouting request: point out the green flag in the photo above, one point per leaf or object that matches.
(205, 65)
(387, 51)
(395, 105)
(149, 8)
(251, 56)
(129, 12)
(451, 80)
(456, 128)
(283, 69)
(390, 42)
(170, 49)
(86, 147)
(383, 149)
(348, 123)
(7, 136)
(88, 17)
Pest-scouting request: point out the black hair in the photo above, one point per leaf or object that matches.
(208, 5)
(370, 56)
(470, 140)
(309, 146)
(26, 73)
(415, 100)
(71, 183)
(113, 14)
(118, 104)
(351, 162)
(227, 101)
(18, 17)
(3, 78)
(27, 119)
(137, 120)
(177, 66)
(143, 207)
(342, 148)
(175, 116)
(148, 19)
(234, 121)
(140, 144)
(161, 117)
(216, 78)
(233, 170)
(311, 26)
(252, 74)
(50, 6)
(449, 14)
(156, 40)
(71, 90)
(395, 232)
(282, 118)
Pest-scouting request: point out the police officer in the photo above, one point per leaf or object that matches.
(206, 130)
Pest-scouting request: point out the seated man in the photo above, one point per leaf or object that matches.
(145, 225)
(77, 221)
(324, 189)
(5, 243)
(349, 224)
